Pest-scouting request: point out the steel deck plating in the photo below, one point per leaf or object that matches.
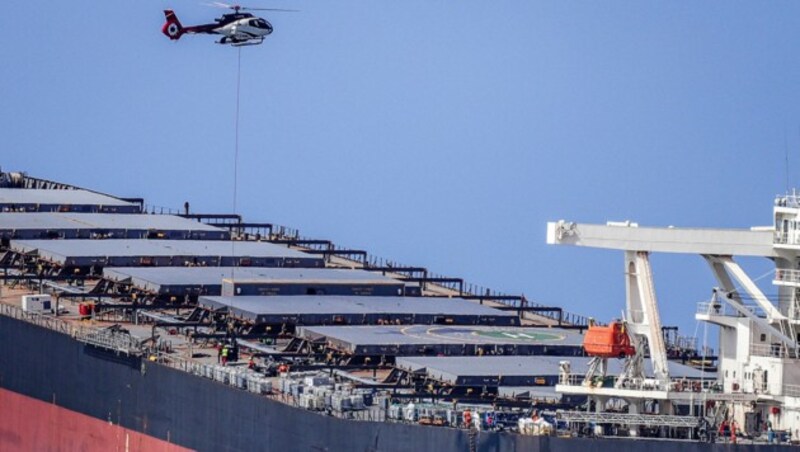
(43, 200)
(333, 309)
(209, 280)
(48, 225)
(518, 370)
(133, 253)
(447, 340)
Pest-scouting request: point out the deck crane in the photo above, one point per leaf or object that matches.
(753, 337)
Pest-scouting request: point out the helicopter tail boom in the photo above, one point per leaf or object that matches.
(172, 27)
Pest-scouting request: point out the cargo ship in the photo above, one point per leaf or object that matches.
(124, 328)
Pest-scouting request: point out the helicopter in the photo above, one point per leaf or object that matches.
(237, 28)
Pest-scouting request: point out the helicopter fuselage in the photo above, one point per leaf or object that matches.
(236, 29)
(241, 27)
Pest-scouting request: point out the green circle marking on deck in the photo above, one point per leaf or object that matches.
(526, 336)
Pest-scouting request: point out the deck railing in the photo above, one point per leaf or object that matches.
(787, 275)
(44, 321)
(106, 338)
(724, 309)
(774, 351)
(788, 200)
(781, 238)
(791, 390)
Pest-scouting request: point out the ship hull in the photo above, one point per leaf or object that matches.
(80, 393)
(31, 424)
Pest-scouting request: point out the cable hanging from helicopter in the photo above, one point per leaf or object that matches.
(238, 29)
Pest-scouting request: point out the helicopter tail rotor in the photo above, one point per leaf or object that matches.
(172, 27)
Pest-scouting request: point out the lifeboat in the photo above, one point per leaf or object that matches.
(610, 341)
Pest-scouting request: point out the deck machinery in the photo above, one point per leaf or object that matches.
(758, 382)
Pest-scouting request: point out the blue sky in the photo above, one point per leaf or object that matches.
(443, 134)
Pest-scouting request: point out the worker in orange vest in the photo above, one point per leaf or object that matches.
(467, 419)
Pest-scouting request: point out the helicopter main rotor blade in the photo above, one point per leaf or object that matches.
(221, 5)
(244, 8)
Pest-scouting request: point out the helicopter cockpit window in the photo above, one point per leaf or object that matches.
(260, 23)
(254, 23)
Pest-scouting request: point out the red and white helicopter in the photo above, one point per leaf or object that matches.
(237, 28)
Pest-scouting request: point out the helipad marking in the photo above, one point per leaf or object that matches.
(526, 336)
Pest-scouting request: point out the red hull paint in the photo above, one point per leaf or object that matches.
(28, 424)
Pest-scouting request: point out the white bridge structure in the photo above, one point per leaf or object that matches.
(758, 378)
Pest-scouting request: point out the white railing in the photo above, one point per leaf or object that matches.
(572, 380)
(675, 384)
(788, 200)
(724, 309)
(773, 350)
(791, 390)
(705, 307)
(787, 275)
(791, 237)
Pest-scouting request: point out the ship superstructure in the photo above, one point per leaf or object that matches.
(757, 386)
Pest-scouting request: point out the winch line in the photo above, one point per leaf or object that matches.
(236, 149)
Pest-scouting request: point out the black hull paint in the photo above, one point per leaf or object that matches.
(201, 414)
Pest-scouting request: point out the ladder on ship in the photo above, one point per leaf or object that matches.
(473, 439)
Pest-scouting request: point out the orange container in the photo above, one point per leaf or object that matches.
(608, 341)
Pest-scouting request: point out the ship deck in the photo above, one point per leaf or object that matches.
(256, 306)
